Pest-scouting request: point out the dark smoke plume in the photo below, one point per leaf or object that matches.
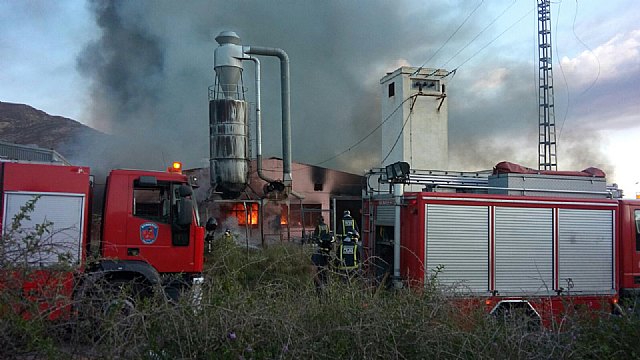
(152, 64)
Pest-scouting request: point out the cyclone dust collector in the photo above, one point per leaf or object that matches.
(228, 125)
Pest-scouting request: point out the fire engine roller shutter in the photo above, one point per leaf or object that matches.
(458, 238)
(385, 215)
(64, 211)
(523, 250)
(585, 250)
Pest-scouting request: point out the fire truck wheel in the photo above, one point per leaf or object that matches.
(119, 298)
(106, 301)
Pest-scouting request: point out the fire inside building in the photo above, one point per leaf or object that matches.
(261, 217)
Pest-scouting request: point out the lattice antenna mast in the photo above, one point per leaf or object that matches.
(547, 159)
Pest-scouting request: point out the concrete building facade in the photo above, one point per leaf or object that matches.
(415, 118)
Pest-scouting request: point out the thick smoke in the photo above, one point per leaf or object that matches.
(152, 64)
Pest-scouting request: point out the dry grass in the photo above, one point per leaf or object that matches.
(263, 305)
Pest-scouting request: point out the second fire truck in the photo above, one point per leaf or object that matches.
(537, 241)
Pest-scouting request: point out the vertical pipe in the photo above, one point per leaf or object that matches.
(398, 192)
(258, 75)
(261, 219)
(302, 220)
(333, 216)
(246, 226)
(286, 107)
(288, 220)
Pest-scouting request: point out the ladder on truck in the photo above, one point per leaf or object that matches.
(424, 180)
(429, 180)
(464, 182)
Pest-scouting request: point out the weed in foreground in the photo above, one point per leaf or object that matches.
(262, 304)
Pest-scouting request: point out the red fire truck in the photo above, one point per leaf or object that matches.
(512, 237)
(150, 232)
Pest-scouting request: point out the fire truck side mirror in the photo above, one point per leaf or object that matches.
(185, 212)
(184, 191)
(185, 206)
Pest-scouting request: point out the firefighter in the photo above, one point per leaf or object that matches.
(227, 237)
(210, 227)
(321, 260)
(348, 224)
(321, 230)
(348, 258)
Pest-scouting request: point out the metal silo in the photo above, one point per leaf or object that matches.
(228, 119)
(229, 155)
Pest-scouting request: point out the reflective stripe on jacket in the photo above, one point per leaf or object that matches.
(348, 225)
(321, 229)
(348, 256)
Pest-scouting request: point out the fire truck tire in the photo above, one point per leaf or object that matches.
(104, 300)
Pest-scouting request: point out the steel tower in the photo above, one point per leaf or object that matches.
(547, 159)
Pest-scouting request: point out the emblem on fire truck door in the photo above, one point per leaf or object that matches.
(148, 233)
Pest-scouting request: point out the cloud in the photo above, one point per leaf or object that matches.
(617, 58)
(490, 81)
(493, 109)
(603, 85)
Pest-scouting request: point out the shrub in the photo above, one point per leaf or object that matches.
(262, 304)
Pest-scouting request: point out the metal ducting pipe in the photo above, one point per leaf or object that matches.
(259, 122)
(285, 102)
(228, 155)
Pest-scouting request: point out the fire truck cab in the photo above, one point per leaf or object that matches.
(150, 230)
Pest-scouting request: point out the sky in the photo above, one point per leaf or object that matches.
(140, 70)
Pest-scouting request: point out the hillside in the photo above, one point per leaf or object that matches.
(23, 124)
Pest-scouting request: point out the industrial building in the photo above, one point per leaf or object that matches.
(263, 217)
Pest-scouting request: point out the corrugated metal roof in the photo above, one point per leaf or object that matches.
(10, 151)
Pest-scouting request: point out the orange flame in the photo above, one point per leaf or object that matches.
(283, 215)
(238, 210)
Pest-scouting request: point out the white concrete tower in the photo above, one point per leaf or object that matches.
(415, 108)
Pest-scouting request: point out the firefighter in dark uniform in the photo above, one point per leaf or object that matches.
(321, 230)
(321, 260)
(348, 224)
(347, 256)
